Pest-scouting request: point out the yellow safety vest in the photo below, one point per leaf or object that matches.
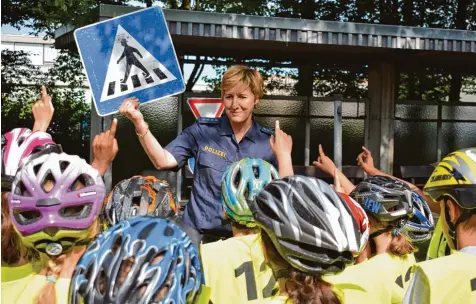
(18, 272)
(236, 271)
(381, 279)
(26, 290)
(446, 280)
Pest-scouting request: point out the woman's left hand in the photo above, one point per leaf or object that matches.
(281, 143)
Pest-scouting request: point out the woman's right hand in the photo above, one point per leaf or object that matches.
(130, 108)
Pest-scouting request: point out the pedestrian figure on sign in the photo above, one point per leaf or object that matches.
(131, 60)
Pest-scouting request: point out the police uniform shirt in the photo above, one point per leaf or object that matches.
(212, 142)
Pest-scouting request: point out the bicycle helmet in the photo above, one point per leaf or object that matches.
(419, 228)
(48, 210)
(139, 196)
(139, 260)
(17, 147)
(242, 181)
(310, 225)
(455, 178)
(386, 201)
(361, 219)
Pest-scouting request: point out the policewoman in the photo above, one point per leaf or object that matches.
(215, 143)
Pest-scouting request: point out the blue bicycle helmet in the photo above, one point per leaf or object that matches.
(139, 260)
(242, 181)
(419, 228)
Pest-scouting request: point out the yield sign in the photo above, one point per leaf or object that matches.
(206, 107)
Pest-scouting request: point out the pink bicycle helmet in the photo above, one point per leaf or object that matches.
(62, 213)
(17, 147)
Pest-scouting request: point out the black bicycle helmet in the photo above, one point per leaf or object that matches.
(310, 225)
(140, 196)
(385, 198)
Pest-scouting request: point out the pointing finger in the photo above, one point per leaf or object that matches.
(113, 128)
(321, 151)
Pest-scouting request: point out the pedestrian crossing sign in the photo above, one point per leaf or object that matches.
(129, 56)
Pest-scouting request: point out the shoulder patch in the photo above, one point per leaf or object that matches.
(267, 131)
(208, 120)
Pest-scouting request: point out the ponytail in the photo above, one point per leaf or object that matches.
(400, 246)
(300, 287)
(62, 266)
(52, 271)
(309, 289)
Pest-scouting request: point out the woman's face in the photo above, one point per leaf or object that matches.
(239, 103)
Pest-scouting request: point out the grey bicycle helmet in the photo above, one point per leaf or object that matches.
(310, 225)
(387, 199)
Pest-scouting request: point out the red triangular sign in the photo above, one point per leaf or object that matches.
(206, 107)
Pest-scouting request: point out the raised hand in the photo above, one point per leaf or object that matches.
(130, 109)
(281, 143)
(42, 111)
(105, 148)
(366, 161)
(324, 163)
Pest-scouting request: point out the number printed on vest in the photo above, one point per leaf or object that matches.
(247, 269)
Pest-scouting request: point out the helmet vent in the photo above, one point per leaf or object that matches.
(82, 181)
(63, 165)
(265, 209)
(36, 169)
(48, 182)
(168, 231)
(236, 180)
(26, 217)
(20, 189)
(146, 231)
(256, 171)
(117, 245)
(76, 212)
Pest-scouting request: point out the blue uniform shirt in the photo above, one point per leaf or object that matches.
(212, 142)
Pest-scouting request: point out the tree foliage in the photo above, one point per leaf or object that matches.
(439, 85)
(21, 82)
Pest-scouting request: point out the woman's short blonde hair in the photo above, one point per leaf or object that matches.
(241, 73)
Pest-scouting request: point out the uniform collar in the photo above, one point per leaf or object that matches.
(226, 130)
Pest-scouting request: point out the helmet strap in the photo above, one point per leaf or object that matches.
(372, 236)
(451, 226)
(379, 232)
(466, 214)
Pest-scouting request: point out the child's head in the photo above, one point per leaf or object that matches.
(139, 196)
(308, 230)
(242, 181)
(453, 185)
(139, 260)
(388, 204)
(55, 200)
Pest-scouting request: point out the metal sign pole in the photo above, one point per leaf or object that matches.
(338, 131)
